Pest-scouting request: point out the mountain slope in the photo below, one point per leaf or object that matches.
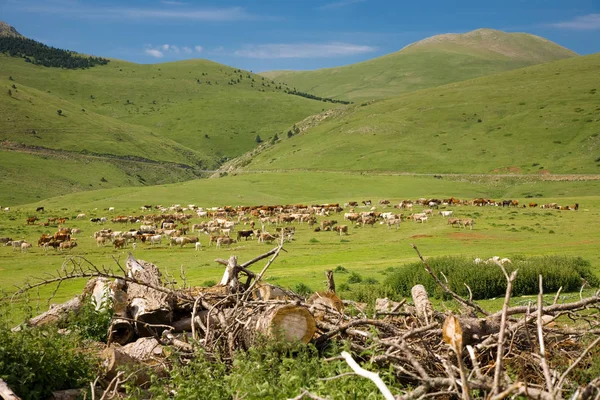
(7, 30)
(183, 116)
(532, 120)
(431, 62)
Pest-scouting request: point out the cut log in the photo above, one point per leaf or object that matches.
(121, 329)
(147, 306)
(143, 349)
(386, 305)
(6, 393)
(422, 303)
(288, 322)
(265, 291)
(115, 360)
(474, 329)
(54, 314)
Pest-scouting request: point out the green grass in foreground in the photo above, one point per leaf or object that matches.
(369, 252)
(533, 120)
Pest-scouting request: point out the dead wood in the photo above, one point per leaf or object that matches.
(6, 393)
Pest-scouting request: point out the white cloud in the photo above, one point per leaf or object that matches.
(585, 23)
(340, 4)
(198, 49)
(303, 50)
(154, 53)
(169, 49)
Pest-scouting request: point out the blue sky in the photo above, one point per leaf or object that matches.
(263, 35)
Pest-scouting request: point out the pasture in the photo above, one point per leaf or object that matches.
(369, 251)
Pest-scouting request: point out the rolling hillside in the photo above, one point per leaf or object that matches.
(431, 62)
(540, 119)
(138, 124)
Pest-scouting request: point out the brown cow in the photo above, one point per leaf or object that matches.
(31, 220)
(119, 243)
(341, 229)
(67, 245)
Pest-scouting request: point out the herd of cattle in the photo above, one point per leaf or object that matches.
(227, 225)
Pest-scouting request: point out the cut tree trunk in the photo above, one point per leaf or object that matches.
(147, 306)
(54, 314)
(285, 322)
(422, 303)
(121, 329)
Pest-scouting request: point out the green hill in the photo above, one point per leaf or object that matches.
(431, 62)
(539, 119)
(138, 124)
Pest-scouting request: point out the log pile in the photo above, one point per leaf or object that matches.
(454, 354)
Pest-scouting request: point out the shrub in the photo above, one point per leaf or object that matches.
(355, 278)
(302, 289)
(36, 362)
(487, 281)
(340, 270)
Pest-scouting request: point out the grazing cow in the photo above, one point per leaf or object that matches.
(16, 244)
(182, 241)
(420, 217)
(68, 245)
(384, 202)
(31, 220)
(429, 211)
(467, 222)
(445, 213)
(80, 216)
(96, 220)
(154, 239)
(5, 239)
(575, 207)
(366, 202)
(266, 237)
(454, 222)
(62, 237)
(353, 204)
(226, 240)
(39, 209)
(198, 246)
(25, 247)
(111, 209)
(327, 224)
(245, 234)
(533, 205)
(119, 243)
(44, 239)
(75, 231)
(53, 243)
(100, 240)
(341, 229)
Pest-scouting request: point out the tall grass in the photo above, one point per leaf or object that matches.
(487, 280)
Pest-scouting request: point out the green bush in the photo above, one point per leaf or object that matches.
(269, 370)
(355, 278)
(487, 281)
(36, 362)
(90, 323)
(302, 289)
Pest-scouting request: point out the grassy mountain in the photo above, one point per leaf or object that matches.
(431, 62)
(532, 120)
(138, 124)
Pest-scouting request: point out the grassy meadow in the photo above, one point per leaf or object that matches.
(371, 252)
(171, 120)
(536, 120)
(435, 61)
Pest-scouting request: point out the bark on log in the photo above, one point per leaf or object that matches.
(386, 305)
(288, 322)
(121, 329)
(265, 291)
(54, 314)
(115, 359)
(73, 394)
(147, 305)
(6, 393)
(143, 349)
(422, 303)
(474, 329)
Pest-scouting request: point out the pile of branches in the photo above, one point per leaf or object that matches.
(448, 354)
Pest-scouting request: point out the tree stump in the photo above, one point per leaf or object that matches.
(284, 322)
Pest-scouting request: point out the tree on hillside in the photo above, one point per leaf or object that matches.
(59, 112)
(290, 133)
(258, 139)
